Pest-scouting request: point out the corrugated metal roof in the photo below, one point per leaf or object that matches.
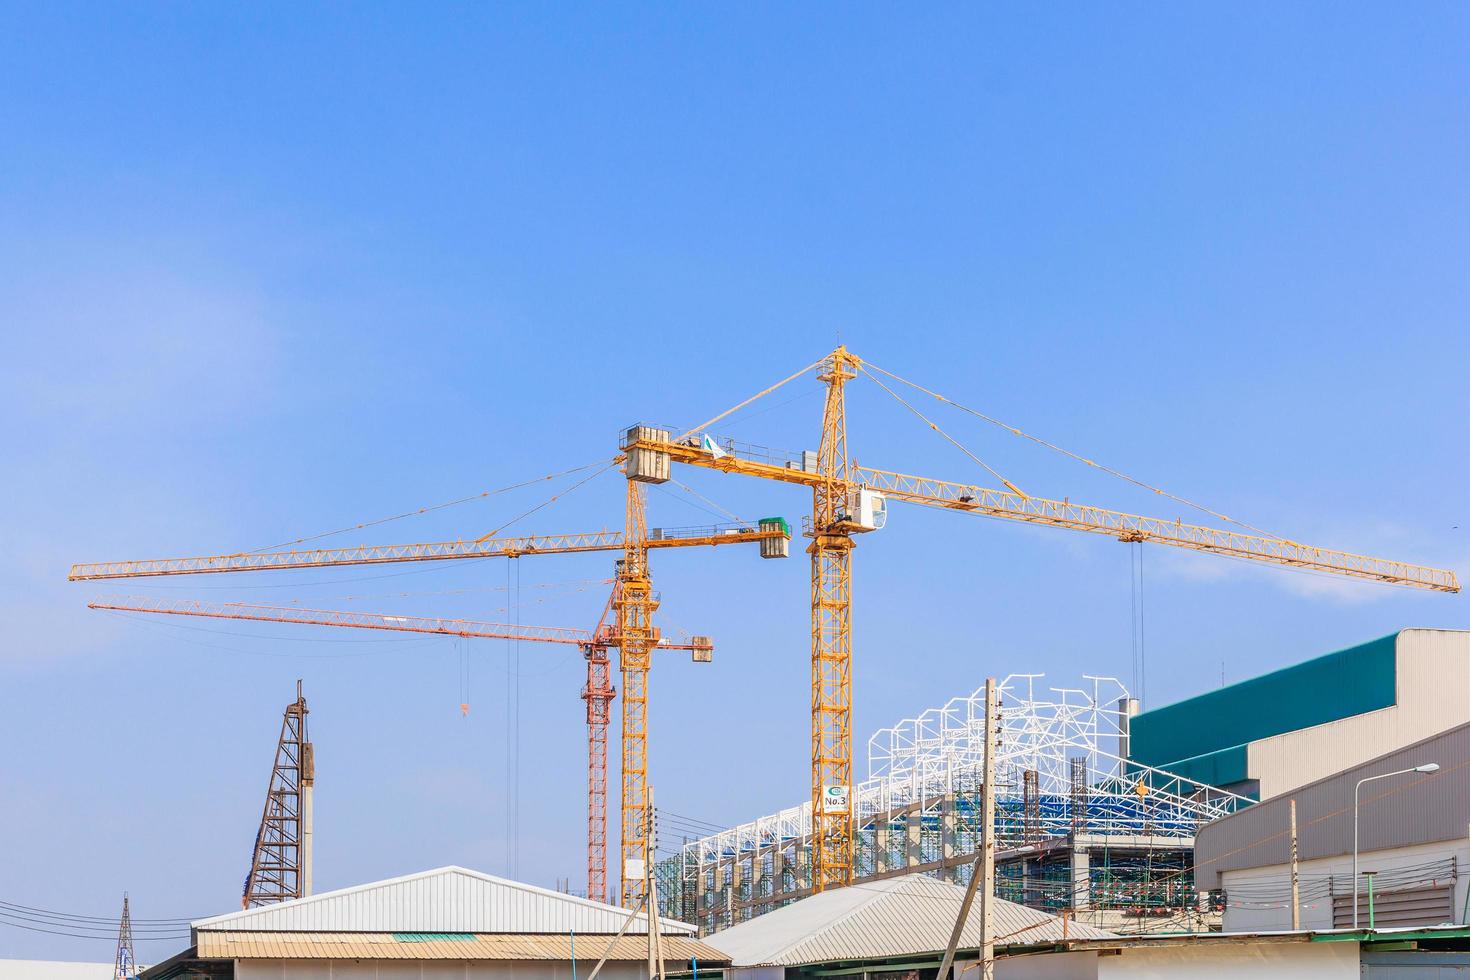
(895, 917)
(443, 900)
(390, 946)
(1406, 810)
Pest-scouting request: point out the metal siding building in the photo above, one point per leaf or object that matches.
(1271, 734)
(446, 924)
(1411, 821)
(895, 917)
(443, 900)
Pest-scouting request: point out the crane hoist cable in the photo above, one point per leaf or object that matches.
(1067, 452)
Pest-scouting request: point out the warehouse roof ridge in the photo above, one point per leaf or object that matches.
(898, 916)
(447, 899)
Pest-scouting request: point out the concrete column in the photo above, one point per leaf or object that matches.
(946, 833)
(1081, 878)
(778, 871)
(881, 831)
(737, 880)
(914, 827)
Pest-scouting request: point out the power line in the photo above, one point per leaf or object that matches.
(79, 917)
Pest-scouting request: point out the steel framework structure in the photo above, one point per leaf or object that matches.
(280, 867)
(924, 783)
(831, 691)
(636, 603)
(125, 963)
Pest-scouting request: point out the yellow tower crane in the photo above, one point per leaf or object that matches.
(848, 499)
(635, 634)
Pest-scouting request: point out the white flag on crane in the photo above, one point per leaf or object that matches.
(709, 445)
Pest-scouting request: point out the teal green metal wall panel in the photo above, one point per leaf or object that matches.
(1338, 685)
(1224, 767)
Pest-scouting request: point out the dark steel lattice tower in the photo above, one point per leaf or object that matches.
(280, 868)
(125, 966)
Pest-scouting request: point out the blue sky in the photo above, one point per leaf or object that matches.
(272, 271)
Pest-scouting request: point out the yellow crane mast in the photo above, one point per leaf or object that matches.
(636, 604)
(849, 499)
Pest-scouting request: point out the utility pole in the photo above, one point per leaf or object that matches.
(125, 966)
(1296, 895)
(982, 873)
(987, 827)
(650, 890)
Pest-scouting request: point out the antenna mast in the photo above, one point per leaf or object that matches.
(125, 966)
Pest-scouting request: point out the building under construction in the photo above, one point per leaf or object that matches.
(1097, 806)
(1078, 826)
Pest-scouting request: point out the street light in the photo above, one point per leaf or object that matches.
(1427, 767)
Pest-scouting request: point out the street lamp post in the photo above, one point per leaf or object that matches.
(1427, 767)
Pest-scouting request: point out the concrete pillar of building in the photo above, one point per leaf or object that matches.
(881, 830)
(947, 834)
(737, 884)
(1081, 877)
(913, 837)
(778, 871)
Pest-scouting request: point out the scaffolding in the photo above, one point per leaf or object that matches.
(1078, 826)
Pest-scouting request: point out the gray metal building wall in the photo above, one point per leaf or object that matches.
(1397, 812)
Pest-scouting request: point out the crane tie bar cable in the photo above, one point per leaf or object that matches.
(548, 501)
(433, 507)
(760, 394)
(955, 442)
(1081, 459)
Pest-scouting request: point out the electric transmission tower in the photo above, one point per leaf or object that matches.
(125, 967)
(280, 868)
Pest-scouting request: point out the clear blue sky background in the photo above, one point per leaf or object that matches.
(269, 271)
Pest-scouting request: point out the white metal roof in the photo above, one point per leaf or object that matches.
(442, 900)
(894, 917)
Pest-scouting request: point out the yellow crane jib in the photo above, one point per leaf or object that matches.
(773, 534)
(886, 485)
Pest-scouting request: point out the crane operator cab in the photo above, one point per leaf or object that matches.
(865, 510)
